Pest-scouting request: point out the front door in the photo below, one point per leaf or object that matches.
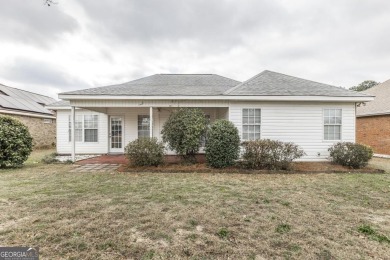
(116, 134)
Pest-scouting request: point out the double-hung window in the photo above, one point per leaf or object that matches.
(332, 124)
(143, 126)
(86, 128)
(91, 128)
(251, 123)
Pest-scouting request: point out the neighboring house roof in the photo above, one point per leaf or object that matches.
(381, 103)
(166, 85)
(269, 83)
(13, 99)
(61, 103)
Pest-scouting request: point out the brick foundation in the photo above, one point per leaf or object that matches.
(375, 132)
(43, 134)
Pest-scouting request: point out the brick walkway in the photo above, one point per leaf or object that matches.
(96, 167)
(105, 159)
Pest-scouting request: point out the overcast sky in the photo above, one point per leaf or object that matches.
(78, 44)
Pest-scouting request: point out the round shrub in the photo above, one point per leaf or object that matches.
(15, 142)
(351, 154)
(270, 154)
(223, 144)
(145, 152)
(183, 131)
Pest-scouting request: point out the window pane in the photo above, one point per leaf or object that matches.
(257, 135)
(245, 112)
(338, 120)
(251, 112)
(326, 120)
(91, 135)
(338, 112)
(326, 112)
(245, 120)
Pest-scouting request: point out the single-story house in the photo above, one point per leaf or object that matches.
(269, 105)
(373, 119)
(29, 108)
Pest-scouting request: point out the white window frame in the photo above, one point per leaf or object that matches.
(324, 124)
(143, 130)
(203, 138)
(254, 124)
(96, 127)
(83, 128)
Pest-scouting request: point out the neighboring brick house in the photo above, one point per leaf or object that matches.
(373, 119)
(30, 109)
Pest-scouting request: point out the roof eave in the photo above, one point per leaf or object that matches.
(221, 97)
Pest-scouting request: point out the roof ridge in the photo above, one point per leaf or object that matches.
(187, 74)
(27, 91)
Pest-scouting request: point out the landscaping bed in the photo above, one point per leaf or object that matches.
(297, 167)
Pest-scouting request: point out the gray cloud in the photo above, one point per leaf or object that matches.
(340, 43)
(36, 72)
(210, 23)
(33, 23)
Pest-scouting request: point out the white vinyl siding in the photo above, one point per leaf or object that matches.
(64, 146)
(251, 123)
(298, 122)
(332, 124)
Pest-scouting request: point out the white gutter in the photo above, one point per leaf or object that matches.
(235, 98)
(374, 114)
(25, 114)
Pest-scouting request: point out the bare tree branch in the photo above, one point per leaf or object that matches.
(49, 2)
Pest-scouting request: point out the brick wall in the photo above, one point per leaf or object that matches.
(375, 132)
(44, 134)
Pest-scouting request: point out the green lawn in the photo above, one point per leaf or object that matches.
(197, 216)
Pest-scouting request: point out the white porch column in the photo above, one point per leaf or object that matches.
(72, 131)
(151, 122)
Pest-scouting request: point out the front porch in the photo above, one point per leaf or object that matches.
(107, 130)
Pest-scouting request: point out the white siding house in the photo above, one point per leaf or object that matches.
(269, 105)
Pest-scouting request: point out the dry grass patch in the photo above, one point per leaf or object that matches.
(155, 215)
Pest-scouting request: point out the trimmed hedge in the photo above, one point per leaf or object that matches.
(270, 154)
(223, 144)
(183, 131)
(145, 152)
(15, 142)
(351, 154)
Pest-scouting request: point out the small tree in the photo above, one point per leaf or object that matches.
(183, 130)
(364, 85)
(223, 144)
(15, 142)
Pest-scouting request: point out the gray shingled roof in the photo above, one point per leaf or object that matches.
(21, 100)
(269, 83)
(61, 103)
(166, 85)
(381, 103)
